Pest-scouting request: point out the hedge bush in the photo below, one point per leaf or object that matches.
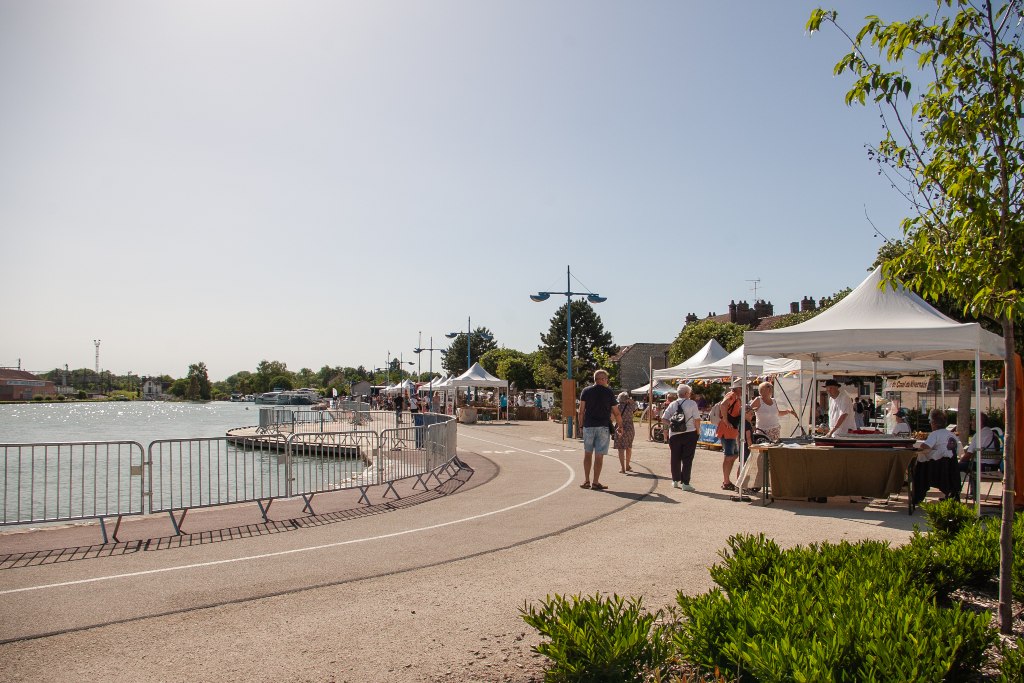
(599, 639)
(829, 612)
(821, 612)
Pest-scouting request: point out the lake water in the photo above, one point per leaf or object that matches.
(142, 421)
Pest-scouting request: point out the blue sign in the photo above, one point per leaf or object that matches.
(707, 434)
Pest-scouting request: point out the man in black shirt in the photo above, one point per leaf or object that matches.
(597, 406)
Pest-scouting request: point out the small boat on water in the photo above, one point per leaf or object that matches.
(269, 398)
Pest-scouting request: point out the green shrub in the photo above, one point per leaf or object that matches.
(946, 518)
(38, 397)
(747, 560)
(1011, 670)
(829, 612)
(599, 639)
(82, 394)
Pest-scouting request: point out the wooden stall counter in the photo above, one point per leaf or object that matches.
(817, 472)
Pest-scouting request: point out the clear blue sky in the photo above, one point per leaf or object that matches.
(318, 182)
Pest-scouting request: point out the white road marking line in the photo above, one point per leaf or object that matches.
(247, 558)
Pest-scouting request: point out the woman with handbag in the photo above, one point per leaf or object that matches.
(682, 417)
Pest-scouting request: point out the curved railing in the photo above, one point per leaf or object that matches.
(354, 449)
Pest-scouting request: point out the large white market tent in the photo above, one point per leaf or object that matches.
(709, 353)
(660, 389)
(873, 324)
(476, 376)
(879, 324)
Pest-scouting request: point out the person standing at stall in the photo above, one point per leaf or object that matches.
(840, 409)
(727, 430)
(767, 411)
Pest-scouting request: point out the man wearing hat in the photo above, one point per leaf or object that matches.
(840, 409)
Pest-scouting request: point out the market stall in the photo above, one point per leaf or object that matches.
(875, 325)
(470, 407)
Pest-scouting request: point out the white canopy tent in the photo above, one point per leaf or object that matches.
(660, 389)
(401, 388)
(709, 353)
(433, 385)
(476, 376)
(726, 367)
(877, 325)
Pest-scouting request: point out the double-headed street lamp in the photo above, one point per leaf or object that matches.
(469, 345)
(568, 293)
(430, 387)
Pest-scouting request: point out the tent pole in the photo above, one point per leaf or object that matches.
(743, 423)
(650, 398)
(977, 433)
(814, 395)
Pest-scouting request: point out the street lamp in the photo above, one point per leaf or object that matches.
(430, 389)
(568, 293)
(469, 337)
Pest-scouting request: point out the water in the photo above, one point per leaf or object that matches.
(74, 482)
(142, 421)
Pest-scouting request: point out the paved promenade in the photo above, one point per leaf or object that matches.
(426, 589)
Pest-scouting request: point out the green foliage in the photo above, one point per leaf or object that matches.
(947, 518)
(453, 359)
(829, 612)
(281, 382)
(266, 373)
(515, 366)
(81, 394)
(588, 335)
(593, 639)
(1012, 668)
(695, 335)
(38, 397)
(198, 386)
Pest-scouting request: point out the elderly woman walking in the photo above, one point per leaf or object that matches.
(682, 439)
(624, 439)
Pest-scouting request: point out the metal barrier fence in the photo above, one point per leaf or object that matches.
(353, 450)
(50, 482)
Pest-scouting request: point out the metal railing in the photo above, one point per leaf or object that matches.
(51, 482)
(301, 457)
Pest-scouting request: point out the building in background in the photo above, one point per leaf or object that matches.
(21, 385)
(634, 363)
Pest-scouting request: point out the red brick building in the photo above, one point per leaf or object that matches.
(19, 385)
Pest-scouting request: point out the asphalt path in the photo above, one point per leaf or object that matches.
(428, 590)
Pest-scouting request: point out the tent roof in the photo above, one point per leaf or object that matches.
(729, 366)
(708, 353)
(873, 324)
(853, 367)
(660, 389)
(476, 376)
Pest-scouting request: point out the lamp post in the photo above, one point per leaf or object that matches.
(568, 293)
(420, 349)
(469, 345)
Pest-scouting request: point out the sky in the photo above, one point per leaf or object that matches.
(334, 183)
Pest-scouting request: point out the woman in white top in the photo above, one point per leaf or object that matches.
(767, 412)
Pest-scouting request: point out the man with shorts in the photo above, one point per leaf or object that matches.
(597, 406)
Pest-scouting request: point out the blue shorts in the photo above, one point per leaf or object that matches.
(596, 440)
(729, 448)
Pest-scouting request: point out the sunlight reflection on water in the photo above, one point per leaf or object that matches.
(142, 421)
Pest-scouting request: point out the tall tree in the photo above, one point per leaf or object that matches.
(954, 150)
(453, 359)
(588, 335)
(198, 383)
